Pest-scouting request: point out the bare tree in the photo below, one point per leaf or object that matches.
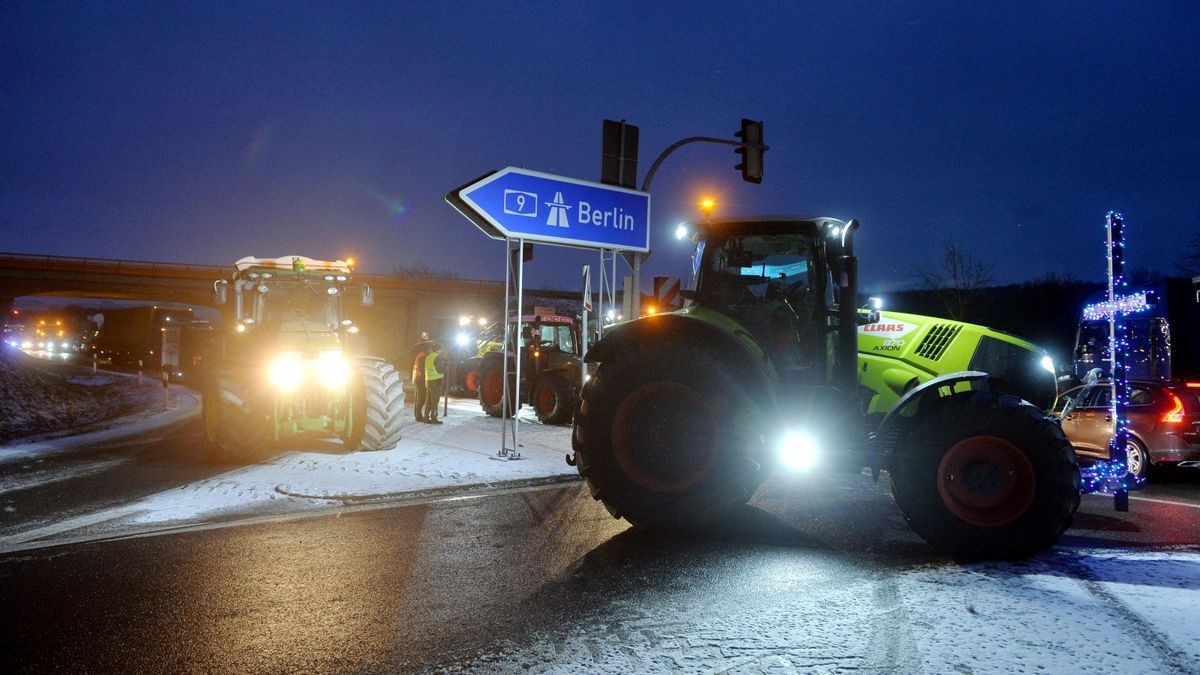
(1189, 260)
(957, 277)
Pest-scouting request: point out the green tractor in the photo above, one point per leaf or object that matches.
(551, 369)
(282, 367)
(771, 363)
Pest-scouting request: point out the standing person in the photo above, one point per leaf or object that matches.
(419, 351)
(166, 381)
(435, 377)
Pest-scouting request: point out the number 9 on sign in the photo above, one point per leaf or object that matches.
(519, 203)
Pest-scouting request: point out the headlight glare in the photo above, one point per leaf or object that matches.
(332, 370)
(798, 451)
(284, 372)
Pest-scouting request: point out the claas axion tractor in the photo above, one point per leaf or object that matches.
(283, 366)
(772, 363)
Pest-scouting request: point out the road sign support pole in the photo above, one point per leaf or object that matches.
(635, 303)
(511, 396)
(508, 279)
(519, 348)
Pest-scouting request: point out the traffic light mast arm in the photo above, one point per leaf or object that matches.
(678, 144)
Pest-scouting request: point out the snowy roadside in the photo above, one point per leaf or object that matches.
(458, 456)
(461, 452)
(152, 417)
(1066, 611)
(48, 405)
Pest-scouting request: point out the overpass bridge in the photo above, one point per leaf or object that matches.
(404, 306)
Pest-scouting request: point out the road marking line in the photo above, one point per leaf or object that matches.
(1152, 500)
(66, 526)
(1165, 501)
(24, 541)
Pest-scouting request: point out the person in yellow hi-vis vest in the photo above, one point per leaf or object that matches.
(435, 377)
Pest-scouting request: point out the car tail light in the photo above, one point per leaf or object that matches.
(1175, 414)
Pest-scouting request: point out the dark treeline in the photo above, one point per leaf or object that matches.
(1043, 312)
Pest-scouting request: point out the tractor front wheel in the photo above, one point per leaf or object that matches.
(491, 388)
(665, 437)
(554, 400)
(376, 407)
(234, 430)
(983, 475)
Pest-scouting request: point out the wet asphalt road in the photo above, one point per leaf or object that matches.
(443, 584)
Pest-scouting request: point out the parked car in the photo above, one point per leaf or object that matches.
(1164, 423)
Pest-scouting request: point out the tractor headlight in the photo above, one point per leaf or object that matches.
(1048, 364)
(797, 450)
(332, 370)
(462, 339)
(285, 372)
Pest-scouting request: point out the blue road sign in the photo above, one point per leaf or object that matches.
(517, 203)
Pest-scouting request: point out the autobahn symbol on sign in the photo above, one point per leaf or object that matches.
(515, 203)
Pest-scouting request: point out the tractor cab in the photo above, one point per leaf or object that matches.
(774, 278)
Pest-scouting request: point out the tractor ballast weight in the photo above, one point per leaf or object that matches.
(281, 367)
(772, 363)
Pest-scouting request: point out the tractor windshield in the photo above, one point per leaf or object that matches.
(770, 283)
(299, 302)
(756, 269)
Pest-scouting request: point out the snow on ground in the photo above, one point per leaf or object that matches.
(149, 417)
(1067, 611)
(461, 452)
(52, 397)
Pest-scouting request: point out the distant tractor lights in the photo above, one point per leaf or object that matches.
(797, 450)
(462, 339)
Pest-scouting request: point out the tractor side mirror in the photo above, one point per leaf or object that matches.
(220, 291)
(368, 296)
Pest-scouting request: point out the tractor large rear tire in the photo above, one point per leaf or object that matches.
(235, 431)
(554, 400)
(982, 475)
(491, 387)
(378, 407)
(667, 437)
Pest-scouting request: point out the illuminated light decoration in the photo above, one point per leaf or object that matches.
(1175, 414)
(681, 231)
(1113, 476)
(1105, 477)
(1129, 304)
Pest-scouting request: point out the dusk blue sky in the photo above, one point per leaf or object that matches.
(204, 131)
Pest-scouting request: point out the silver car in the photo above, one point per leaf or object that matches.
(1164, 423)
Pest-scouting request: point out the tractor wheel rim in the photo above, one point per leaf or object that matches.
(665, 436)
(473, 381)
(492, 388)
(546, 401)
(1133, 457)
(986, 481)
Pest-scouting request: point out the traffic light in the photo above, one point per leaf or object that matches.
(751, 150)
